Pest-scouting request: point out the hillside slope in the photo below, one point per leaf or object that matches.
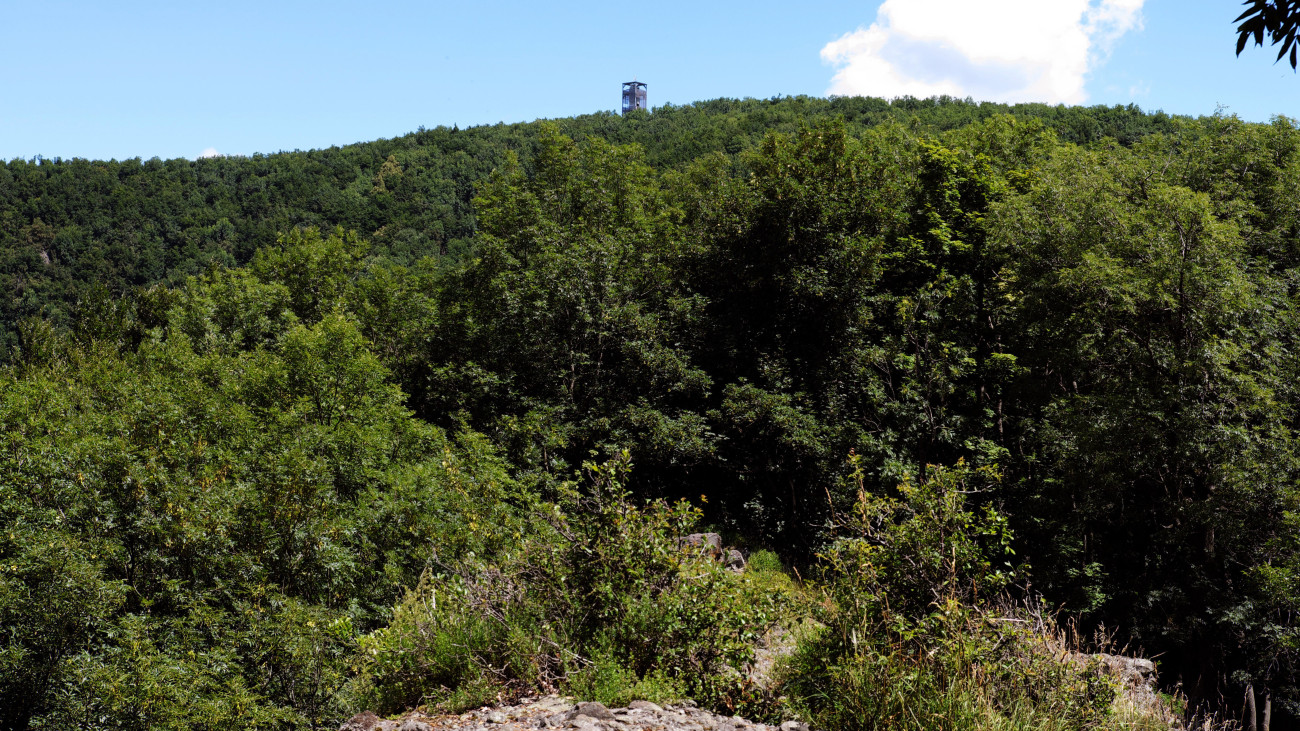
(941, 363)
(67, 226)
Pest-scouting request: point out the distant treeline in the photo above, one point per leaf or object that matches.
(66, 225)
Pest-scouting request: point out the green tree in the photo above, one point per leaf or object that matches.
(1156, 392)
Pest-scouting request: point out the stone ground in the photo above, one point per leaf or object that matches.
(555, 712)
(1136, 676)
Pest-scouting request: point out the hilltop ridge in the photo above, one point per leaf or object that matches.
(71, 226)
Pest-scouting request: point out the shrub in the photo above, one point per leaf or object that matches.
(609, 681)
(764, 562)
(916, 634)
(599, 598)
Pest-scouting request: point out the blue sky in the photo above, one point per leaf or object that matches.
(128, 79)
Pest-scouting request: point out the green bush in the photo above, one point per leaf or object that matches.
(437, 649)
(609, 681)
(764, 562)
(915, 637)
(599, 598)
(196, 529)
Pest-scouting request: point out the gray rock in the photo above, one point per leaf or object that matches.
(597, 711)
(364, 721)
(735, 560)
(794, 726)
(1135, 673)
(557, 713)
(553, 703)
(708, 544)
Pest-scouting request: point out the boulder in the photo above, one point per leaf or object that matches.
(735, 560)
(1136, 673)
(1137, 681)
(708, 544)
(365, 721)
(597, 711)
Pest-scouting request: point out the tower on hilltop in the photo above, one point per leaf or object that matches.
(633, 96)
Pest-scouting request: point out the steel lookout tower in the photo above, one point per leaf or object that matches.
(633, 96)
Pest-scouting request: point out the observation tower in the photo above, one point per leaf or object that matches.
(633, 96)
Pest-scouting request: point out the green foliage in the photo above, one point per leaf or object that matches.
(607, 680)
(68, 226)
(601, 599)
(913, 636)
(438, 649)
(1160, 307)
(195, 535)
(764, 562)
(214, 479)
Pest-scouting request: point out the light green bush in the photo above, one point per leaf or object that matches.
(599, 598)
(915, 637)
(764, 562)
(607, 680)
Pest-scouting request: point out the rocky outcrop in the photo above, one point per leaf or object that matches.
(370, 722)
(1135, 674)
(1136, 678)
(554, 712)
(735, 560)
(710, 545)
(707, 544)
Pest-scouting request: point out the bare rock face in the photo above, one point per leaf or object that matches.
(1136, 673)
(554, 712)
(596, 711)
(370, 722)
(735, 560)
(708, 544)
(361, 722)
(1136, 677)
(776, 643)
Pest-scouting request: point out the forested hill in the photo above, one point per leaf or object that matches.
(68, 225)
(929, 365)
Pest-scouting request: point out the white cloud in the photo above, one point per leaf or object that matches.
(996, 50)
(210, 152)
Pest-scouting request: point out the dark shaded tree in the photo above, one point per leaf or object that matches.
(1276, 19)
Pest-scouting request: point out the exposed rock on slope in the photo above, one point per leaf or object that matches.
(554, 712)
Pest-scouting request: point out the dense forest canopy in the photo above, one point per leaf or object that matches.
(250, 401)
(66, 225)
